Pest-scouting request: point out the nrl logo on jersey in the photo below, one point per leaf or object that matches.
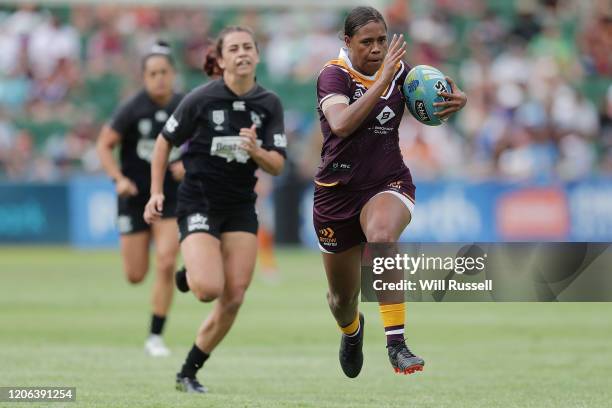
(358, 94)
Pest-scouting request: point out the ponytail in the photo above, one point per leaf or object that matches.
(211, 65)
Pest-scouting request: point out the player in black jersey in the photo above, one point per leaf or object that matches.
(232, 126)
(133, 128)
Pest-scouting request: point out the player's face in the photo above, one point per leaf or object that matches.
(368, 47)
(158, 76)
(239, 54)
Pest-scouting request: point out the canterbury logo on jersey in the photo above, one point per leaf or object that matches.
(229, 148)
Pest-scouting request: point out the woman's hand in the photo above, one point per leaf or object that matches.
(249, 140)
(125, 187)
(153, 209)
(455, 101)
(397, 49)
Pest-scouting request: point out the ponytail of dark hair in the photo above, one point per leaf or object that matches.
(211, 66)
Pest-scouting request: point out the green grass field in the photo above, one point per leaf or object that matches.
(68, 318)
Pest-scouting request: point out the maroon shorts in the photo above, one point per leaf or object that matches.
(336, 212)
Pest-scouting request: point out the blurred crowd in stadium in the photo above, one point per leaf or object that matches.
(537, 74)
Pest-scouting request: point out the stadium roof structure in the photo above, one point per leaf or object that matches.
(286, 4)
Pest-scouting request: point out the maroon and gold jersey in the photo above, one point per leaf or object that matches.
(371, 155)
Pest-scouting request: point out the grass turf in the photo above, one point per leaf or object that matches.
(68, 318)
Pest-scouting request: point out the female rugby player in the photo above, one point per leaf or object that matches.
(364, 192)
(233, 126)
(134, 128)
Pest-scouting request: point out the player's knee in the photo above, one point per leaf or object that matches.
(340, 302)
(381, 234)
(166, 264)
(231, 304)
(206, 293)
(135, 275)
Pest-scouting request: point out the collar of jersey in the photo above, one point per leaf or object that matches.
(344, 62)
(250, 93)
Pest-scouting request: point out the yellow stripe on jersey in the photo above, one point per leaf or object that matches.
(359, 77)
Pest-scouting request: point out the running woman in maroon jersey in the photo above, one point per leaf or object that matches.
(364, 192)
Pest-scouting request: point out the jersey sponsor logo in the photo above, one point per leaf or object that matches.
(124, 224)
(419, 107)
(381, 130)
(171, 124)
(145, 126)
(327, 237)
(336, 166)
(197, 222)
(239, 106)
(229, 148)
(385, 115)
(161, 116)
(280, 140)
(256, 119)
(144, 150)
(218, 118)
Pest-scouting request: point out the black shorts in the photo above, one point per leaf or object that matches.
(130, 214)
(217, 222)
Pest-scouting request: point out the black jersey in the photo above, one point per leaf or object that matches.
(139, 120)
(210, 118)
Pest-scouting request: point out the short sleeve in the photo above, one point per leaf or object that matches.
(334, 85)
(181, 125)
(405, 68)
(274, 137)
(121, 120)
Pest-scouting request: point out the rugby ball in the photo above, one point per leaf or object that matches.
(421, 91)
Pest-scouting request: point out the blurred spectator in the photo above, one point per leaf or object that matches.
(596, 45)
(50, 44)
(526, 24)
(606, 132)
